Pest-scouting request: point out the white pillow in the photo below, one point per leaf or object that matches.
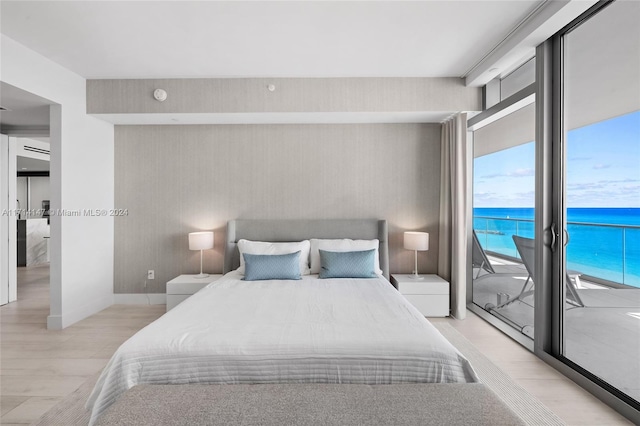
(262, 247)
(342, 245)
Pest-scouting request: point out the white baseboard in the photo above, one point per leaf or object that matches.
(54, 322)
(58, 322)
(140, 299)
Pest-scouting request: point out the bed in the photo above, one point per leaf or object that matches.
(311, 330)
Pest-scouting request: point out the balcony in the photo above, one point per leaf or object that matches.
(604, 253)
(603, 336)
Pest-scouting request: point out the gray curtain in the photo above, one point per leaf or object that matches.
(452, 257)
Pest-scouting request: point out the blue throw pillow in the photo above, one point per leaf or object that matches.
(272, 266)
(347, 264)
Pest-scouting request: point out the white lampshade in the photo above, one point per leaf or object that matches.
(418, 241)
(200, 240)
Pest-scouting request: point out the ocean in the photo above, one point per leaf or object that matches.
(603, 242)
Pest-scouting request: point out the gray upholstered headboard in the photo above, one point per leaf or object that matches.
(298, 230)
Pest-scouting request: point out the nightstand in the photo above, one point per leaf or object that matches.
(429, 295)
(184, 286)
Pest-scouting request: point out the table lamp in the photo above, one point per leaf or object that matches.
(416, 241)
(201, 241)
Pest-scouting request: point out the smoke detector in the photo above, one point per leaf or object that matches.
(160, 95)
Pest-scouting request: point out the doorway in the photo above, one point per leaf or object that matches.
(24, 190)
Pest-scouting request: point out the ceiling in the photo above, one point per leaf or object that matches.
(25, 110)
(26, 164)
(218, 39)
(27, 115)
(183, 39)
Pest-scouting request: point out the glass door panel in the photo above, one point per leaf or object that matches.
(601, 212)
(503, 222)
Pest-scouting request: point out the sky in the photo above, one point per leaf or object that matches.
(603, 168)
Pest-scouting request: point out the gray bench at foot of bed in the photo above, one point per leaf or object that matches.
(310, 404)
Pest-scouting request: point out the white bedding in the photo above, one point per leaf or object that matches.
(306, 331)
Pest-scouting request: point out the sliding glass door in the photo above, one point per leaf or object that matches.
(598, 250)
(503, 215)
(556, 206)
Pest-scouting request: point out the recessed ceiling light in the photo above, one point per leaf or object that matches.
(24, 168)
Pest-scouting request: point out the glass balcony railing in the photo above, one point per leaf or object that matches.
(607, 252)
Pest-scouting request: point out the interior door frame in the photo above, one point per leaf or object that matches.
(8, 220)
(4, 219)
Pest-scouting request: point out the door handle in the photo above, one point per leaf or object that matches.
(566, 234)
(554, 237)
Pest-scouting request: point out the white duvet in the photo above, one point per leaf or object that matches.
(306, 331)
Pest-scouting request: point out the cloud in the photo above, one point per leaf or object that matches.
(605, 193)
(601, 166)
(526, 195)
(601, 184)
(507, 199)
(579, 158)
(485, 196)
(515, 174)
(522, 173)
(586, 186)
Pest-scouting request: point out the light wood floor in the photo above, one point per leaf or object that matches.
(39, 367)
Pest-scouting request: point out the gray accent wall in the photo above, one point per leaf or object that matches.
(173, 180)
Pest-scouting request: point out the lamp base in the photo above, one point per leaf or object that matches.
(416, 277)
(201, 276)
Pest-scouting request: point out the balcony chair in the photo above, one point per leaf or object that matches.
(526, 249)
(479, 258)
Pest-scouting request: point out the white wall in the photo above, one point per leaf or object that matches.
(82, 176)
(21, 193)
(40, 190)
(31, 191)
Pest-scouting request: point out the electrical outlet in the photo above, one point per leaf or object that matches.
(151, 274)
